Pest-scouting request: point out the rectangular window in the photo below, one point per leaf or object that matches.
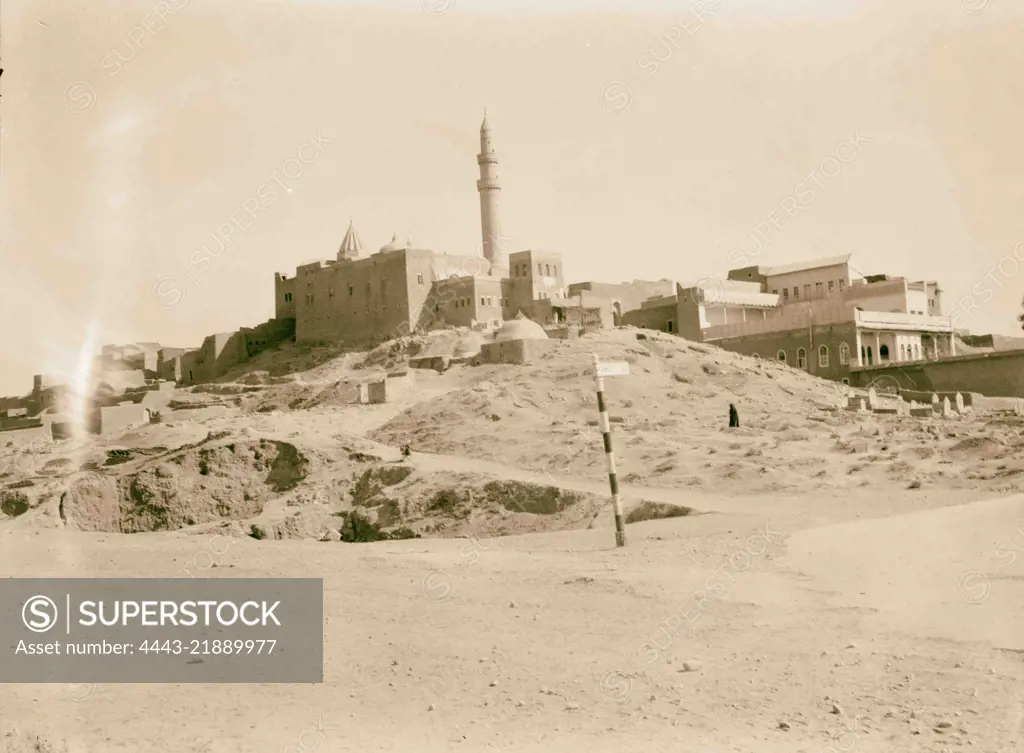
(419, 279)
(831, 286)
(482, 302)
(807, 291)
(796, 292)
(842, 284)
(351, 290)
(775, 292)
(818, 287)
(785, 294)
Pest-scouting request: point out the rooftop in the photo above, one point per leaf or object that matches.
(785, 269)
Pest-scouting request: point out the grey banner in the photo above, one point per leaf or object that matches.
(175, 630)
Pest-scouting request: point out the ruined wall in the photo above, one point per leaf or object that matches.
(217, 354)
(768, 344)
(284, 296)
(39, 433)
(614, 300)
(122, 417)
(997, 374)
(689, 313)
(654, 317)
(270, 334)
(392, 387)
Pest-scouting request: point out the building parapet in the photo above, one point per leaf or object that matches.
(895, 320)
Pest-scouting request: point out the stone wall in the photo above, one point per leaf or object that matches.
(284, 296)
(518, 352)
(216, 355)
(393, 386)
(270, 334)
(768, 344)
(363, 301)
(654, 317)
(628, 296)
(996, 374)
(121, 418)
(19, 437)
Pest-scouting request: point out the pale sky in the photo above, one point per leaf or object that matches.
(116, 171)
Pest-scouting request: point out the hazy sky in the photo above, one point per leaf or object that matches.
(635, 139)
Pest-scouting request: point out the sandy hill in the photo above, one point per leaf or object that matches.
(497, 449)
(788, 586)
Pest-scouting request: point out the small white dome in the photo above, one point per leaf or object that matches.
(520, 328)
(394, 245)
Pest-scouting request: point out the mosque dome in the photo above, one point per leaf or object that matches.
(394, 245)
(468, 346)
(520, 328)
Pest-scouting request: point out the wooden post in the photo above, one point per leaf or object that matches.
(606, 432)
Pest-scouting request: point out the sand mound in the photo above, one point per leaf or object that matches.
(667, 414)
(978, 446)
(656, 511)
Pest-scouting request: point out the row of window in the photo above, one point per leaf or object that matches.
(911, 352)
(351, 290)
(819, 289)
(823, 359)
(484, 301)
(544, 270)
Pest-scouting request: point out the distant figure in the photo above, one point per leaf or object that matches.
(734, 417)
(406, 451)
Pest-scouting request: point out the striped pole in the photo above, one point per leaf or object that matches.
(606, 432)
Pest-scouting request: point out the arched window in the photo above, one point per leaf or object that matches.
(883, 353)
(917, 352)
(547, 270)
(782, 356)
(844, 354)
(823, 357)
(801, 359)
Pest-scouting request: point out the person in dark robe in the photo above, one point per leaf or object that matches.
(406, 451)
(734, 417)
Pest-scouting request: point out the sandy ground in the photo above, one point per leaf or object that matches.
(825, 614)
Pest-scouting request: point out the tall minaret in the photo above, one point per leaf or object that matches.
(489, 187)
